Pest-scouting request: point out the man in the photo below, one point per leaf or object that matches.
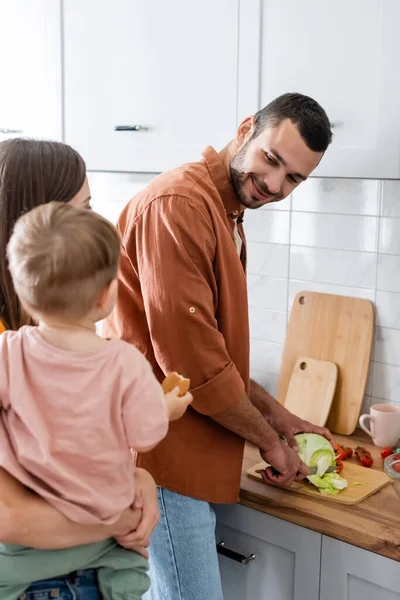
(183, 302)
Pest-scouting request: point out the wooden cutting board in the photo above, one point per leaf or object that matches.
(311, 389)
(371, 481)
(337, 329)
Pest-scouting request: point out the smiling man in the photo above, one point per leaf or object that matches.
(183, 302)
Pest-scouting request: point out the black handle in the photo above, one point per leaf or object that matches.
(241, 558)
(131, 128)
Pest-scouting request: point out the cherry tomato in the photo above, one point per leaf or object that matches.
(343, 452)
(385, 452)
(339, 466)
(396, 466)
(364, 456)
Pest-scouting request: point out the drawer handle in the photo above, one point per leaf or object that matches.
(131, 128)
(6, 130)
(241, 558)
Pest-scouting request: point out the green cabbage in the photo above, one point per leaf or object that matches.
(316, 451)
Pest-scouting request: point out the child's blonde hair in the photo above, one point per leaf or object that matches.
(61, 259)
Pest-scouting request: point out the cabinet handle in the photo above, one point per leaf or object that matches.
(6, 130)
(241, 558)
(131, 128)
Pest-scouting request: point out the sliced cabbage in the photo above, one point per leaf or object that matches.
(316, 451)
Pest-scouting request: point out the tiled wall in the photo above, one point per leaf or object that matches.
(339, 236)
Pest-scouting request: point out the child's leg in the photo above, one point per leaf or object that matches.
(125, 576)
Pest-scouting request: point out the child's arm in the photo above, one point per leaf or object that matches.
(176, 408)
(177, 404)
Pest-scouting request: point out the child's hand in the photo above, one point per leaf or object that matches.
(176, 404)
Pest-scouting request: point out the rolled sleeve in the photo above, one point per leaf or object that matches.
(175, 263)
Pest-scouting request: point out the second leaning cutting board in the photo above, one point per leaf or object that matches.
(338, 329)
(311, 389)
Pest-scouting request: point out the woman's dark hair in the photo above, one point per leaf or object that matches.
(309, 117)
(32, 172)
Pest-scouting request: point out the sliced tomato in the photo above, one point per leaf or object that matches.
(339, 466)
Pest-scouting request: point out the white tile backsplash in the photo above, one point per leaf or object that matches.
(339, 232)
(388, 273)
(340, 267)
(345, 240)
(389, 238)
(341, 196)
(391, 198)
(267, 226)
(387, 311)
(386, 382)
(387, 346)
(267, 259)
(268, 325)
(267, 292)
(266, 356)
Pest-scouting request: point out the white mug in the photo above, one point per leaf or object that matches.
(385, 424)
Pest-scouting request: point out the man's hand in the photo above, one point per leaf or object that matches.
(287, 425)
(286, 461)
(281, 420)
(146, 501)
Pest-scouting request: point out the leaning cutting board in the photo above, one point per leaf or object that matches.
(370, 482)
(311, 389)
(338, 329)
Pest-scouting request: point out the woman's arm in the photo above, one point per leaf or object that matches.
(27, 519)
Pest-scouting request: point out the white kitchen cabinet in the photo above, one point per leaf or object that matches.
(356, 574)
(166, 71)
(287, 557)
(30, 69)
(345, 55)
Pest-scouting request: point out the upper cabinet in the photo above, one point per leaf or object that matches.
(149, 83)
(345, 55)
(30, 68)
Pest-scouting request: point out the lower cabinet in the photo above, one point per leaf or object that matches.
(351, 573)
(265, 558)
(286, 563)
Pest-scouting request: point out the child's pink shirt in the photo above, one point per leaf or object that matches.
(69, 419)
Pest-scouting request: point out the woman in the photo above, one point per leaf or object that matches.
(33, 172)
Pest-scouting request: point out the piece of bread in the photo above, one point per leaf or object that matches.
(174, 380)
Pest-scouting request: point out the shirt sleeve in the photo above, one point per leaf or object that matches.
(144, 410)
(175, 245)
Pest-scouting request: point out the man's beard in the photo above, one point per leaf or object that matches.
(239, 178)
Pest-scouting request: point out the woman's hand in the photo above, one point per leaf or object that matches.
(146, 500)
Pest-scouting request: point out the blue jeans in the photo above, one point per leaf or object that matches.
(81, 585)
(183, 555)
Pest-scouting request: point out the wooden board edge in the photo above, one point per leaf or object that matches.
(250, 472)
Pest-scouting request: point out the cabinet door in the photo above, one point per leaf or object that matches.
(167, 71)
(287, 557)
(355, 574)
(30, 67)
(345, 55)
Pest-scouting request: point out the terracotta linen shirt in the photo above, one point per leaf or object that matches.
(182, 301)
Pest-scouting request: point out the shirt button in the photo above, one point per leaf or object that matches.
(235, 212)
(192, 309)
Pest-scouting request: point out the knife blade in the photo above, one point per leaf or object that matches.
(313, 470)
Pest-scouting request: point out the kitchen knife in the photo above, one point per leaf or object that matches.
(313, 470)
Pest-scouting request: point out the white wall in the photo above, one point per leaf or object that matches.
(338, 236)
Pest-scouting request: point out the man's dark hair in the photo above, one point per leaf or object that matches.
(304, 112)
